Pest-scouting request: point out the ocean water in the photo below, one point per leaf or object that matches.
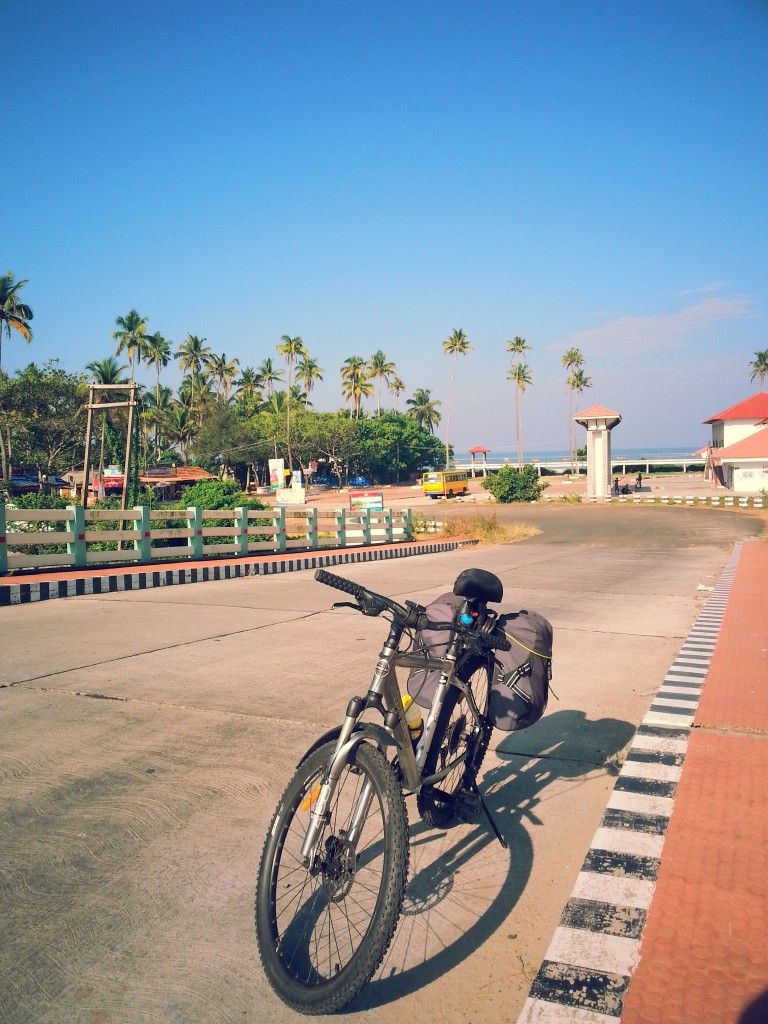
(672, 452)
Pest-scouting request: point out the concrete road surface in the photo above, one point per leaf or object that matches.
(146, 738)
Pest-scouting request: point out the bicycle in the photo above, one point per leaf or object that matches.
(334, 865)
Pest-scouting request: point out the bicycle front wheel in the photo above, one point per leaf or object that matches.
(455, 737)
(323, 932)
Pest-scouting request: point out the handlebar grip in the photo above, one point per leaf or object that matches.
(425, 623)
(347, 586)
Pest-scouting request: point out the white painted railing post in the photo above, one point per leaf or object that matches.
(3, 541)
(365, 515)
(313, 540)
(241, 522)
(407, 524)
(142, 523)
(388, 525)
(195, 524)
(76, 547)
(281, 538)
(341, 527)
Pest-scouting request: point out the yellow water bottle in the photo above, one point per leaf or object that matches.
(413, 717)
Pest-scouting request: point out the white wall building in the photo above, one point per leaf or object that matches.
(737, 456)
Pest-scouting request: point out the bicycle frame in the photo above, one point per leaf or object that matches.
(385, 697)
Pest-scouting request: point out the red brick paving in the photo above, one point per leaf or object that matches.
(704, 953)
(736, 694)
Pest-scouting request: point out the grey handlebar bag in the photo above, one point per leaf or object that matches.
(521, 676)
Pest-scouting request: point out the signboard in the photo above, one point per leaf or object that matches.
(373, 500)
(276, 473)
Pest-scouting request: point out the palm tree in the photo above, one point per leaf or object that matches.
(355, 382)
(760, 367)
(355, 389)
(380, 368)
(106, 371)
(192, 354)
(276, 403)
(299, 397)
(578, 382)
(517, 347)
(572, 360)
(396, 388)
(156, 410)
(423, 409)
(520, 375)
(268, 376)
(457, 344)
(181, 429)
(223, 371)
(290, 349)
(309, 371)
(247, 384)
(157, 350)
(131, 337)
(13, 313)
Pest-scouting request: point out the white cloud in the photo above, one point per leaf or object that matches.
(659, 332)
(704, 289)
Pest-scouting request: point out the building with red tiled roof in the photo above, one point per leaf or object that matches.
(739, 421)
(737, 456)
(171, 480)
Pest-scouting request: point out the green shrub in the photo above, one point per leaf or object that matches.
(420, 523)
(37, 500)
(513, 484)
(217, 494)
(221, 495)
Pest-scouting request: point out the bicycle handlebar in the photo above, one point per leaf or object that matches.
(331, 580)
(374, 604)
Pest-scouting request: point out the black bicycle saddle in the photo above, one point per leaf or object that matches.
(479, 585)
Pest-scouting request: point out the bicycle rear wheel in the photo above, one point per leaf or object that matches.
(322, 933)
(454, 735)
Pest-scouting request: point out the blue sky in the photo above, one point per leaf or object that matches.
(375, 174)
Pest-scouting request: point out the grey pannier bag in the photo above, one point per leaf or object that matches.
(521, 676)
(520, 684)
(422, 682)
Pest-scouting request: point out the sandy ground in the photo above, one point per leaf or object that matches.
(410, 494)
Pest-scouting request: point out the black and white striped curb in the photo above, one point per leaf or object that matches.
(25, 593)
(588, 966)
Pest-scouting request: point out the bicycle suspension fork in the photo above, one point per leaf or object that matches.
(382, 695)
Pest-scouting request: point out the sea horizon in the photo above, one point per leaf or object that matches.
(552, 455)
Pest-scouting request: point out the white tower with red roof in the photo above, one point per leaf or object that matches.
(599, 422)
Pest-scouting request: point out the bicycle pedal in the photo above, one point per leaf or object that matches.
(468, 807)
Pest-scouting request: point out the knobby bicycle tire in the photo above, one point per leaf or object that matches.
(453, 736)
(322, 935)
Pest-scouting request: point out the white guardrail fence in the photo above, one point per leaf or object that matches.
(78, 537)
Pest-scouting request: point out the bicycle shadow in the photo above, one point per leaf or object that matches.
(448, 913)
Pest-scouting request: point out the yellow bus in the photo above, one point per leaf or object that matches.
(444, 483)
